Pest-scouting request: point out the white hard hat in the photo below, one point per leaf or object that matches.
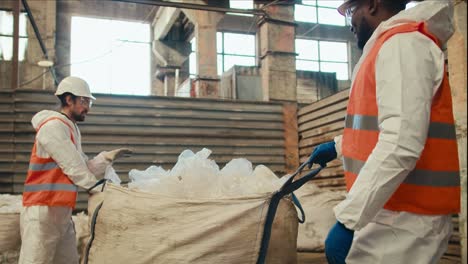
(75, 86)
(342, 8)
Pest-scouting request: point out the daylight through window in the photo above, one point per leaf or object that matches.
(6, 36)
(324, 56)
(112, 56)
(234, 49)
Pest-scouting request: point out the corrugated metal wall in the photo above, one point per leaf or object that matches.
(158, 129)
(6, 141)
(321, 122)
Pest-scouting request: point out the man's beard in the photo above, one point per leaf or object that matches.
(79, 117)
(364, 33)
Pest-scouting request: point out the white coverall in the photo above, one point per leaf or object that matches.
(409, 70)
(47, 233)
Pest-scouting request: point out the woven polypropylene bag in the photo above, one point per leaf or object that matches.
(10, 238)
(138, 227)
(319, 216)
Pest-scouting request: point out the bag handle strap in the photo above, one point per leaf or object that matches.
(297, 203)
(101, 181)
(93, 228)
(288, 187)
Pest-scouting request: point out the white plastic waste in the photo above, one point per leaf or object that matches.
(111, 175)
(196, 176)
(318, 204)
(81, 232)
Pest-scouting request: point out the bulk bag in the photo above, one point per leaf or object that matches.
(130, 226)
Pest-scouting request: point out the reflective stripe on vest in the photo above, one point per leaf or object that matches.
(417, 176)
(433, 187)
(370, 123)
(42, 166)
(50, 187)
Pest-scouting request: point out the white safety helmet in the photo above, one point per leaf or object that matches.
(75, 86)
(345, 5)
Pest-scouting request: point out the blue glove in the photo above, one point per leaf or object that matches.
(338, 243)
(322, 154)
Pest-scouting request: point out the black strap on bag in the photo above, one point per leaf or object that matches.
(288, 187)
(93, 219)
(297, 203)
(101, 181)
(91, 238)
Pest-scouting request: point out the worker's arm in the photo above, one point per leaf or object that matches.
(338, 140)
(409, 69)
(98, 164)
(54, 139)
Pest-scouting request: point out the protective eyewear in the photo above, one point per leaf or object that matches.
(84, 101)
(350, 10)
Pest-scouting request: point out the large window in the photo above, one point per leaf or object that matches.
(6, 36)
(193, 58)
(234, 49)
(319, 11)
(112, 56)
(324, 56)
(241, 4)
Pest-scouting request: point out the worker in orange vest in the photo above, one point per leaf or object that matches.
(57, 168)
(399, 146)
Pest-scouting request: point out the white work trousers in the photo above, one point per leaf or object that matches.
(401, 238)
(48, 236)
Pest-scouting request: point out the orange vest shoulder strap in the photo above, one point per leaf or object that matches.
(411, 27)
(57, 118)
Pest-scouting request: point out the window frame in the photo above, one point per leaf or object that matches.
(25, 37)
(223, 53)
(316, 5)
(319, 60)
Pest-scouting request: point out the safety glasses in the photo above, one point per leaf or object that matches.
(85, 101)
(350, 9)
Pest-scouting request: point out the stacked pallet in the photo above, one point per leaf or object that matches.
(318, 123)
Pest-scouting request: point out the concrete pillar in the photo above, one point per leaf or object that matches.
(171, 82)
(170, 55)
(277, 53)
(170, 49)
(207, 80)
(157, 86)
(169, 78)
(45, 16)
(457, 53)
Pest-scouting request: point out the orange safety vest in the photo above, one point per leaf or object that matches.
(46, 184)
(433, 187)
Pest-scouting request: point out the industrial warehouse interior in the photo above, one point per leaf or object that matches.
(233, 131)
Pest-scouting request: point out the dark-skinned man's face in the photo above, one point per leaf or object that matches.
(359, 23)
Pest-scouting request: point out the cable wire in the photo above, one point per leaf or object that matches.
(35, 78)
(83, 61)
